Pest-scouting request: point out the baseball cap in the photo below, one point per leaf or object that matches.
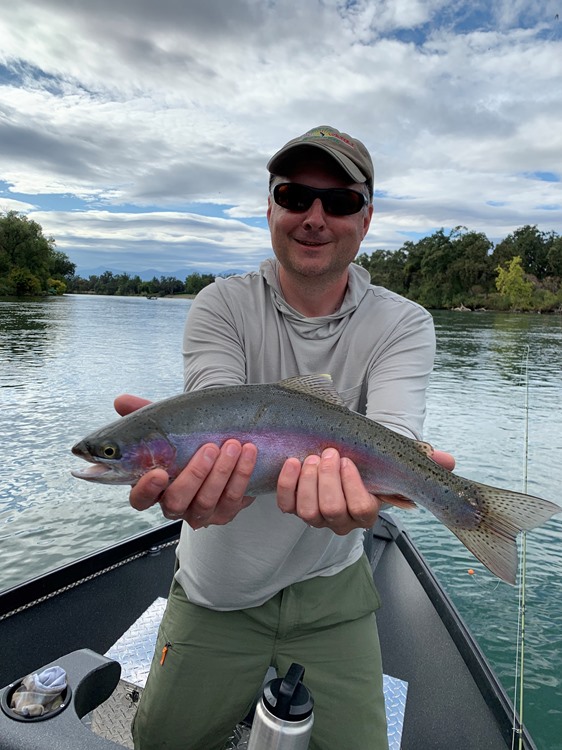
(348, 152)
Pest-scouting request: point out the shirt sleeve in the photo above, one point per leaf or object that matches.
(213, 352)
(398, 376)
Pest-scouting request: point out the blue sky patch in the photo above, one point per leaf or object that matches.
(542, 176)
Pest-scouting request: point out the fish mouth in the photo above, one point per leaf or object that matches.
(103, 473)
(95, 472)
(128, 464)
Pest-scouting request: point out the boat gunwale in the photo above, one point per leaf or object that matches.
(468, 647)
(48, 585)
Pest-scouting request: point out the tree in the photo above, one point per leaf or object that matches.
(511, 283)
(171, 285)
(56, 286)
(107, 283)
(554, 257)
(61, 266)
(531, 245)
(23, 283)
(197, 281)
(446, 270)
(386, 268)
(28, 259)
(471, 266)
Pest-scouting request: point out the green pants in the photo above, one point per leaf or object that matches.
(214, 664)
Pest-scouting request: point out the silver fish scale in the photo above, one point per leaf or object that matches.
(134, 651)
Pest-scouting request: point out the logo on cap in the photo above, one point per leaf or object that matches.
(323, 133)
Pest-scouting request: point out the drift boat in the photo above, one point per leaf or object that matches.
(94, 617)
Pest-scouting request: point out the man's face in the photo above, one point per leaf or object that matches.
(314, 243)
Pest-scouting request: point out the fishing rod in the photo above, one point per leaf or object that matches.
(519, 686)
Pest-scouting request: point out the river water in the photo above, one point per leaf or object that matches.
(497, 379)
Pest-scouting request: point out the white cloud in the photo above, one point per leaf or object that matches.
(144, 110)
(125, 239)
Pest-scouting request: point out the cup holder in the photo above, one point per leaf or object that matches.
(6, 700)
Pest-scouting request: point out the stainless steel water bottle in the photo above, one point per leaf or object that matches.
(284, 717)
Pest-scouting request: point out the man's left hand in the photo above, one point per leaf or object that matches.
(327, 492)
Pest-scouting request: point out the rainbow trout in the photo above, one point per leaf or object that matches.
(303, 416)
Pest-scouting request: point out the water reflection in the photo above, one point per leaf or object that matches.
(28, 332)
(478, 342)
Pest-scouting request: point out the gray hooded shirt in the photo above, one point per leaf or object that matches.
(378, 348)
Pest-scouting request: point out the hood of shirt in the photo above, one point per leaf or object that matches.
(324, 326)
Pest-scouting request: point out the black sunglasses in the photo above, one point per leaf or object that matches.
(335, 201)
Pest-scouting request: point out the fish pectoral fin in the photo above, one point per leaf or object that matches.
(320, 386)
(397, 500)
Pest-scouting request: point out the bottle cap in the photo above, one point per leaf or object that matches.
(287, 698)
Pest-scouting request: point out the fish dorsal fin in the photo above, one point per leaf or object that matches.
(319, 386)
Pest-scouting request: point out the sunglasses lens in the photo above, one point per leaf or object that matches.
(293, 197)
(343, 202)
(335, 201)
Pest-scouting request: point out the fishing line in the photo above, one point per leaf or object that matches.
(519, 686)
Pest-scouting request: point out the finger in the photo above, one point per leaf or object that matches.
(207, 496)
(446, 460)
(307, 492)
(233, 498)
(362, 507)
(287, 484)
(126, 403)
(238, 483)
(148, 489)
(331, 499)
(178, 497)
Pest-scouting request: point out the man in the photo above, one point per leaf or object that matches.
(283, 578)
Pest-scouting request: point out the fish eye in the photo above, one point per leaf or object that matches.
(110, 450)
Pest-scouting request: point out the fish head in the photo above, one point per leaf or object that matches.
(119, 456)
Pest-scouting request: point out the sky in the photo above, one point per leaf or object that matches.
(137, 133)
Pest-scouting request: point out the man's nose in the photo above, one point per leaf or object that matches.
(315, 216)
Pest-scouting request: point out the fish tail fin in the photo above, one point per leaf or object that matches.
(504, 515)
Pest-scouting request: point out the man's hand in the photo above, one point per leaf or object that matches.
(327, 491)
(209, 490)
(443, 459)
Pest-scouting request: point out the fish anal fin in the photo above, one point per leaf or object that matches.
(320, 386)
